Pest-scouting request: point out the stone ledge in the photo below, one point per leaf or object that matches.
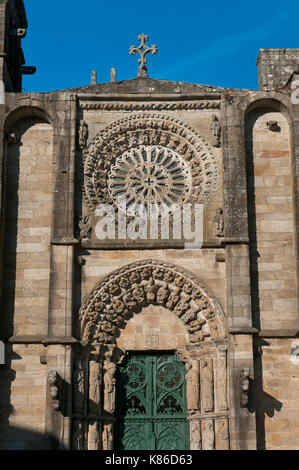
(243, 331)
(65, 241)
(32, 339)
(25, 339)
(59, 340)
(292, 333)
(235, 241)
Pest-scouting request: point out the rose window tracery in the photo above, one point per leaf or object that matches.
(149, 175)
(149, 158)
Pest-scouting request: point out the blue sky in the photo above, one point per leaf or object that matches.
(214, 43)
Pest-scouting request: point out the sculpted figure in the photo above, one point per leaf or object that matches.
(107, 437)
(182, 306)
(219, 223)
(78, 436)
(93, 436)
(163, 294)
(109, 387)
(222, 434)
(83, 134)
(208, 436)
(216, 131)
(138, 293)
(207, 385)
(192, 383)
(173, 299)
(78, 382)
(129, 301)
(85, 227)
(151, 290)
(195, 435)
(94, 386)
(222, 385)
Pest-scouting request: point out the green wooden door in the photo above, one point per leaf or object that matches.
(151, 408)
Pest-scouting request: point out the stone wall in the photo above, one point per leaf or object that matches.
(271, 220)
(278, 400)
(28, 202)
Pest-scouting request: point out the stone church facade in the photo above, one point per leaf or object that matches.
(148, 343)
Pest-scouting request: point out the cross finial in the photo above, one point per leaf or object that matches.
(143, 49)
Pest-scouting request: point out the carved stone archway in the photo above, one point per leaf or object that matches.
(104, 314)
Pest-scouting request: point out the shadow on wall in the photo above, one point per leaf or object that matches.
(259, 401)
(23, 439)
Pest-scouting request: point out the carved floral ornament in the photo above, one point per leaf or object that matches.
(150, 142)
(127, 291)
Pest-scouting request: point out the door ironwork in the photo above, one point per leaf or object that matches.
(151, 408)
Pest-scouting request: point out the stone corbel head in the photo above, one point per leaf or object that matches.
(54, 382)
(244, 386)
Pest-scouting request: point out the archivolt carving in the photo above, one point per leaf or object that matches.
(145, 132)
(126, 291)
(150, 106)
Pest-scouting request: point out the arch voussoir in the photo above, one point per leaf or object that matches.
(128, 290)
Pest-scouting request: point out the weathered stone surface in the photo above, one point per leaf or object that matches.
(73, 308)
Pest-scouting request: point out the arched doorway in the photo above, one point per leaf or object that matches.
(151, 405)
(198, 354)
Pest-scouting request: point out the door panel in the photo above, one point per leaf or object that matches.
(151, 407)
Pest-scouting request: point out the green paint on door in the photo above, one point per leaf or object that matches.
(151, 408)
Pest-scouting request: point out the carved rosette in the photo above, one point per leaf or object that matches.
(125, 292)
(130, 140)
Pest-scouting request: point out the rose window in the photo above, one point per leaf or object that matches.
(150, 175)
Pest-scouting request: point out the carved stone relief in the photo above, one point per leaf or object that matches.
(95, 381)
(208, 435)
(222, 380)
(195, 435)
(94, 437)
(193, 387)
(107, 436)
(109, 386)
(216, 131)
(244, 386)
(151, 338)
(151, 106)
(82, 134)
(131, 140)
(124, 293)
(78, 386)
(78, 435)
(222, 434)
(207, 387)
(54, 382)
(219, 223)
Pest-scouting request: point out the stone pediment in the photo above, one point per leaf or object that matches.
(147, 85)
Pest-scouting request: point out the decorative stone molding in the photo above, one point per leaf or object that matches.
(193, 388)
(151, 106)
(208, 435)
(216, 131)
(125, 292)
(142, 175)
(152, 338)
(54, 382)
(219, 223)
(85, 227)
(127, 139)
(244, 386)
(195, 435)
(82, 134)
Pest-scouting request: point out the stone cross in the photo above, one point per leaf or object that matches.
(143, 49)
